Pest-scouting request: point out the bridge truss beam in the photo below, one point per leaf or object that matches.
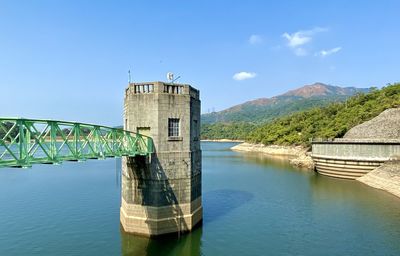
(24, 142)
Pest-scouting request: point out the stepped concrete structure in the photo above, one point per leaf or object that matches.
(363, 148)
(351, 159)
(161, 193)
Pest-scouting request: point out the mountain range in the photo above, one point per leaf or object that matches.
(266, 109)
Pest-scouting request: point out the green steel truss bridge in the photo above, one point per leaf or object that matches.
(24, 142)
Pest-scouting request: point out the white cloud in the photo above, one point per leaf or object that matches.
(244, 75)
(325, 53)
(296, 39)
(300, 38)
(255, 39)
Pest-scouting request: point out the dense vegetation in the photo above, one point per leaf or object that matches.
(282, 105)
(236, 122)
(232, 131)
(240, 123)
(331, 121)
(266, 109)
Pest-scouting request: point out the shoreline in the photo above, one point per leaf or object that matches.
(385, 178)
(222, 140)
(299, 154)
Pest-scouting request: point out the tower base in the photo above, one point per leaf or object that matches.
(155, 221)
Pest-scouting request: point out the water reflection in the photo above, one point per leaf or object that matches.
(187, 244)
(328, 188)
(280, 162)
(373, 202)
(218, 203)
(349, 202)
(253, 205)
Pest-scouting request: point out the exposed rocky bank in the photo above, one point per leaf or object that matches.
(385, 177)
(298, 155)
(384, 127)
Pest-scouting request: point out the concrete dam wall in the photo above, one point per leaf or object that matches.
(362, 149)
(351, 159)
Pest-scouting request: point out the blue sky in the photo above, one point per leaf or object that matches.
(69, 59)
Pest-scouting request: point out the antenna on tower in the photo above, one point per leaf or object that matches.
(129, 76)
(170, 77)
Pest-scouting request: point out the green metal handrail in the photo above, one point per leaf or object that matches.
(24, 142)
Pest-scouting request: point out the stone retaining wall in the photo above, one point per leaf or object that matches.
(385, 177)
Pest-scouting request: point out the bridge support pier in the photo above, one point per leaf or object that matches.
(161, 192)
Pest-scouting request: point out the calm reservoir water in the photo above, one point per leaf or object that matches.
(252, 206)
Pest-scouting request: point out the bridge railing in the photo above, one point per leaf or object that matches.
(24, 142)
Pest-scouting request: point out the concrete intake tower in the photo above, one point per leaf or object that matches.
(161, 193)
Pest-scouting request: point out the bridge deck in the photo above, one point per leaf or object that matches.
(24, 142)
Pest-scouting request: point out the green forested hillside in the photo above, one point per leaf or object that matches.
(266, 109)
(331, 121)
(236, 122)
(232, 131)
(276, 107)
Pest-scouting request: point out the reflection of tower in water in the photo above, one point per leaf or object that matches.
(188, 244)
